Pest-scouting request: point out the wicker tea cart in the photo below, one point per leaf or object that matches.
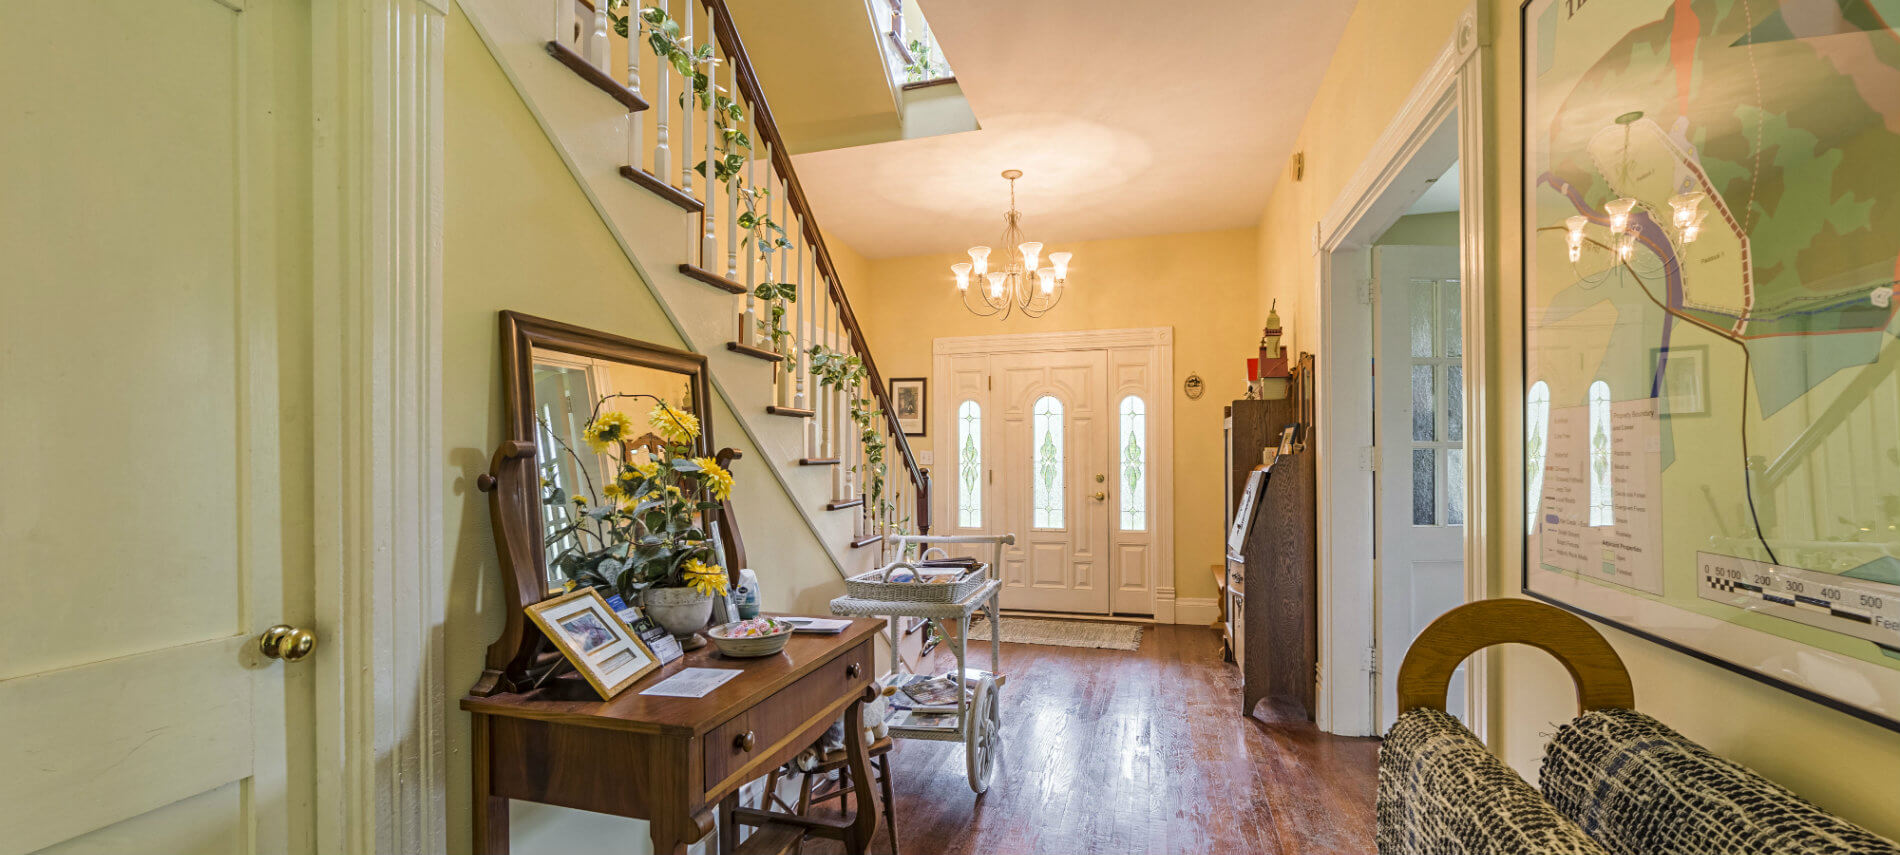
(979, 723)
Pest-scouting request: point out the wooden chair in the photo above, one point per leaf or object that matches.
(845, 785)
(782, 833)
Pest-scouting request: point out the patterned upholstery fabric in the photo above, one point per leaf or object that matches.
(1639, 787)
(1442, 793)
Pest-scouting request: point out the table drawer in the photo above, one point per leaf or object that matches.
(756, 733)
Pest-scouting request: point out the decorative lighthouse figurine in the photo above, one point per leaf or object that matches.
(1273, 368)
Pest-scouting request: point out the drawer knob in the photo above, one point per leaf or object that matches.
(744, 741)
(854, 670)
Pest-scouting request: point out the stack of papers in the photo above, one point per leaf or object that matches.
(823, 626)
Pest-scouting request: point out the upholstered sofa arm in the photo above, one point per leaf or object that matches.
(1637, 786)
(1441, 792)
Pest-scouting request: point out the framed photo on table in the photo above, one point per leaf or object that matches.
(910, 404)
(594, 640)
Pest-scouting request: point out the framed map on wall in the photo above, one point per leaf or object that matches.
(1712, 356)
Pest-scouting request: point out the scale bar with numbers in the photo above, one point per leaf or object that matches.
(1866, 610)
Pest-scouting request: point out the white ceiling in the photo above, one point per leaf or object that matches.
(1126, 118)
(1440, 196)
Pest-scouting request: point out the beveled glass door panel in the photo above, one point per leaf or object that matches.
(1054, 432)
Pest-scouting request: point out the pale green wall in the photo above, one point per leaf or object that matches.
(1841, 763)
(1422, 230)
(519, 234)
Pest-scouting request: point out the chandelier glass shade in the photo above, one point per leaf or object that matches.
(1600, 246)
(1019, 281)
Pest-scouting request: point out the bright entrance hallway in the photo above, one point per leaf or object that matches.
(748, 427)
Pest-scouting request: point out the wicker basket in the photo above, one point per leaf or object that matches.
(871, 586)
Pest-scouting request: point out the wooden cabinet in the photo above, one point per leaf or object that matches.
(1272, 584)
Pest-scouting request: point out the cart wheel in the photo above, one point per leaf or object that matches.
(984, 735)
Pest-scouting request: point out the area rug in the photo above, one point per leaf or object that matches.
(1062, 633)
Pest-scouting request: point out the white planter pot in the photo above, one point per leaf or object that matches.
(681, 611)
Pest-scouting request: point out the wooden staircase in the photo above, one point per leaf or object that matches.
(718, 167)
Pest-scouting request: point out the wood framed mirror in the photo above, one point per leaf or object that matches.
(555, 378)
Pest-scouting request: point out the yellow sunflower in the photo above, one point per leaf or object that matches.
(672, 425)
(717, 480)
(613, 492)
(703, 577)
(610, 427)
(648, 470)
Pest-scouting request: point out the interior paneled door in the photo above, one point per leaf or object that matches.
(151, 158)
(1052, 478)
(1419, 431)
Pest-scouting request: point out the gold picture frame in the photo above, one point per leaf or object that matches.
(594, 640)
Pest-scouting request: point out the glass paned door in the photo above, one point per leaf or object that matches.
(1438, 420)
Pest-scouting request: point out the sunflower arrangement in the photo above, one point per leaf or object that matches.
(644, 528)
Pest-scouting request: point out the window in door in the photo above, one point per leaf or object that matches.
(1134, 463)
(1438, 403)
(1047, 481)
(970, 465)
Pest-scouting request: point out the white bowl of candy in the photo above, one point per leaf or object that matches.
(750, 638)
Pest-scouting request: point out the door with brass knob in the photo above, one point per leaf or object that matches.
(141, 717)
(287, 643)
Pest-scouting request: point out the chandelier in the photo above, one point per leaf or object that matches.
(1020, 285)
(1629, 222)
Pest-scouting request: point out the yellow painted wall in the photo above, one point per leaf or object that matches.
(1202, 284)
(1840, 763)
(518, 234)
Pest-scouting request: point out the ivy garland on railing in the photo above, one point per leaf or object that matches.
(846, 373)
(764, 236)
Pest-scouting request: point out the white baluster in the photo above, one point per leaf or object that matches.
(784, 380)
(691, 102)
(798, 315)
(749, 320)
(707, 249)
(563, 21)
(732, 199)
(599, 50)
(635, 121)
(662, 156)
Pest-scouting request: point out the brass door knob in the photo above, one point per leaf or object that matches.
(744, 741)
(1101, 497)
(287, 643)
(854, 669)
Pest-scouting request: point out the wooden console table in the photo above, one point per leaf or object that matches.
(670, 761)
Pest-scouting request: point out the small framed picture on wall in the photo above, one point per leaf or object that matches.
(910, 404)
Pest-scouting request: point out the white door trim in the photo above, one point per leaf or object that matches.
(381, 688)
(1160, 338)
(1454, 82)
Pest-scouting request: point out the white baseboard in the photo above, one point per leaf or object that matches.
(1199, 611)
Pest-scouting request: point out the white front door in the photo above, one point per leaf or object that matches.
(1419, 433)
(1052, 478)
(155, 492)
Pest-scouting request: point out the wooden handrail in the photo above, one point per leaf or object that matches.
(748, 82)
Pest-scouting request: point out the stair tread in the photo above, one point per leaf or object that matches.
(713, 279)
(817, 461)
(792, 412)
(755, 352)
(662, 189)
(600, 79)
(846, 504)
(866, 541)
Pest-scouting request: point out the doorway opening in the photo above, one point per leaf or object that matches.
(1388, 463)
(1064, 439)
(1418, 426)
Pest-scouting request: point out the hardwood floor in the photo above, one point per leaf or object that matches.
(1110, 751)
